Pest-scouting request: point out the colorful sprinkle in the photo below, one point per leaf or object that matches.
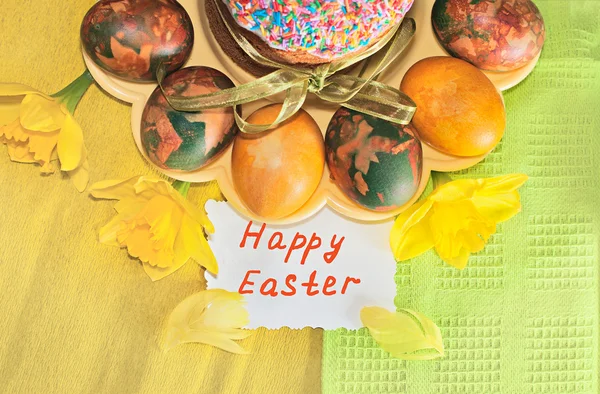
(297, 25)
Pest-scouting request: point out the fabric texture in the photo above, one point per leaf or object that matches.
(82, 317)
(523, 317)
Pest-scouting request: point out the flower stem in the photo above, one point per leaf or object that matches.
(72, 93)
(181, 187)
(440, 178)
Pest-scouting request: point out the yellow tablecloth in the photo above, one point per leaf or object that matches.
(81, 317)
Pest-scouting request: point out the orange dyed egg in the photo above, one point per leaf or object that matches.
(276, 172)
(459, 111)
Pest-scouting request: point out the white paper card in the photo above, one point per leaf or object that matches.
(351, 264)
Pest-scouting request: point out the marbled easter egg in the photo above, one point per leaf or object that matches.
(130, 38)
(187, 141)
(276, 172)
(376, 163)
(459, 110)
(495, 35)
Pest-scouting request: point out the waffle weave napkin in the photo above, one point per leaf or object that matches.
(523, 316)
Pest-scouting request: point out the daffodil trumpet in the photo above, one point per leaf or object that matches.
(457, 218)
(40, 128)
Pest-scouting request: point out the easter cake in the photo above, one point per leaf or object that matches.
(303, 32)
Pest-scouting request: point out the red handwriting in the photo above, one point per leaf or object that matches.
(311, 284)
(289, 282)
(272, 285)
(257, 235)
(330, 256)
(348, 280)
(300, 246)
(329, 282)
(247, 282)
(299, 242)
(269, 286)
(279, 245)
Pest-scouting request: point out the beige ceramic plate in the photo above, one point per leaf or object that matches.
(207, 52)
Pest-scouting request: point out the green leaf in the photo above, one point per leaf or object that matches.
(405, 334)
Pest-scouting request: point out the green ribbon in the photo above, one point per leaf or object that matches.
(362, 94)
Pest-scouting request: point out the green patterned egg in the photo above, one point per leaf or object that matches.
(187, 141)
(494, 35)
(130, 38)
(376, 163)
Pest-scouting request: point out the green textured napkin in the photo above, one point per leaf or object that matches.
(523, 316)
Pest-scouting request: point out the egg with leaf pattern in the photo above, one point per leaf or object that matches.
(376, 163)
(187, 141)
(130, 38)
(494, 35)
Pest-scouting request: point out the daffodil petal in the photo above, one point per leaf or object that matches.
(17, 89)
(153, 185)
(19, 152)
(498, 208)
(161, 186)
(502, 184)
(189, 321)
(191, 309)
(448, 248)
(39, 113)
(138, 243)
(147, 185)
(404, 334)
(454, 191)
(14, 131)
(207, 191)
(70, 144)
(42, 144)
(115, 189)
(410, 235)
(411, 216)
(192, 240)
(483, 228)
(236, 334)
(10, 109)
(47, 168)
(108, 232)
(459, 260)
(80, 176)
(416, 241)
(214, 339)
(471, 240)
(157, 273)
(231, 313)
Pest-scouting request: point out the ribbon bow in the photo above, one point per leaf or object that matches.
(362, 94)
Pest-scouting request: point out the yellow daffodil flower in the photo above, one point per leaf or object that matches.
(157, 224)
(212, 317)
(38, 128)
(457, 218)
